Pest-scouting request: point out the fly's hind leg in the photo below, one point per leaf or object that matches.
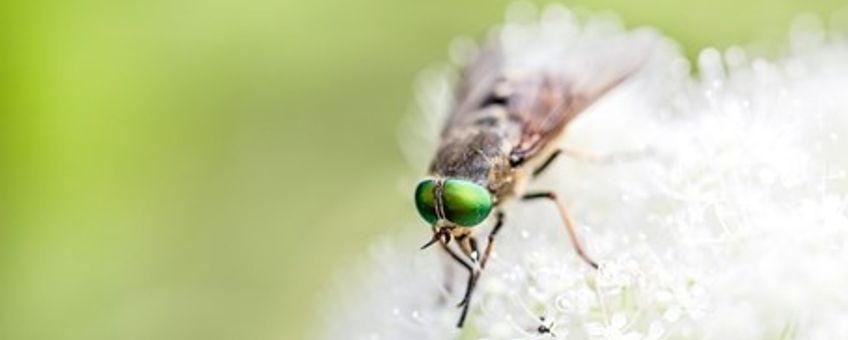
(547, 162)
(573, 153)
(617, 157)
(588, 156)
(569, 223)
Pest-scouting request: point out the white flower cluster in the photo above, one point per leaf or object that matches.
(730, 223)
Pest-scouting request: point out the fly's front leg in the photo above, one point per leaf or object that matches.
(569, 223)
(468, 244)
(458, 259)
(449, 273)
(486, 253)
(470, 247)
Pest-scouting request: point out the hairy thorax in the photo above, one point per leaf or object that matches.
(480, 156)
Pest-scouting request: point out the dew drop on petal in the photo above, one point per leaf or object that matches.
(563, 303)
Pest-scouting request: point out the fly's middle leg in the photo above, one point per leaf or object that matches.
(491, 239)
(569, 223)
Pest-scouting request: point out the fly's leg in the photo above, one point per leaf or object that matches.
(574, 153)
(625, 156)
(458, 259)
(471, 249)
(449, 273)
(587, 156)
(491, 239)
(486, 253)
(468, 245)
(569, 223)
(547, 162)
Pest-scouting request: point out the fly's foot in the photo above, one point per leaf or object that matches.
(589, 261)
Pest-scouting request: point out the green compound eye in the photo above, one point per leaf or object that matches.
(425, 202)
(466, 203)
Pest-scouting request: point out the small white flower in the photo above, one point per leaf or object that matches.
(734, 227)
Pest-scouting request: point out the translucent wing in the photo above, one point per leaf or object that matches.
(544, 74)
(544, 104)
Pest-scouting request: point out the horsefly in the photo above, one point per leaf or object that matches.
(502, 131)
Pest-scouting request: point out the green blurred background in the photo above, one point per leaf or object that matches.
(189, 169)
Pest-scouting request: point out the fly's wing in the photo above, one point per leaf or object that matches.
(478, 81)
(543, 105)
(544, 74)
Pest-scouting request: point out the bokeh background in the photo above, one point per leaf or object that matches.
(189, 169)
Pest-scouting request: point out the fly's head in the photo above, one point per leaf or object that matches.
(448, 204)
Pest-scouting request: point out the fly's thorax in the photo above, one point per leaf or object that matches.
(479, 156)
